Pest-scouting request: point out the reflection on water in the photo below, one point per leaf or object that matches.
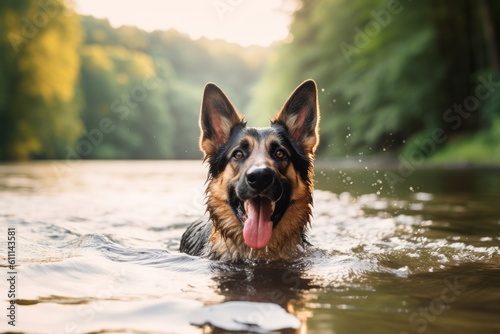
(98, 248)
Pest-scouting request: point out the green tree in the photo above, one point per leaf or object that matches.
(387, 70)
(39, 67)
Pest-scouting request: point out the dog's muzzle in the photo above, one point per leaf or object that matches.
(258, 190)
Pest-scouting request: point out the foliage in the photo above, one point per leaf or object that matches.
(39, 65)
(387, 70)
(390, 74)
(123, 94)
(125, 88)
(234, 68)
(482, 147)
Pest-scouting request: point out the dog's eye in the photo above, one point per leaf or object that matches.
(238, 155)
(280, 154)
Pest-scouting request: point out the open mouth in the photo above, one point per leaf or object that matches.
(258, 225)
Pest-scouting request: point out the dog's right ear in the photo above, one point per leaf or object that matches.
(218, 116)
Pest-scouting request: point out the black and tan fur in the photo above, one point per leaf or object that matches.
(281, 156)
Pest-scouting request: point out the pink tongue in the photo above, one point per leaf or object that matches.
(258, 226)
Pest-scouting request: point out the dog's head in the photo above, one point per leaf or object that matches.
(260, 189)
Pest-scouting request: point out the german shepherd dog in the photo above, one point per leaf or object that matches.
(260, 180)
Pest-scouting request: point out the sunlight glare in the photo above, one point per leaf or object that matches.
(260, 22)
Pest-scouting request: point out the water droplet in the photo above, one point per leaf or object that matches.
(322, 89)
(411, 189)
(349, 102)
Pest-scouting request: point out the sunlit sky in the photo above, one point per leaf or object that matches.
(245, 22)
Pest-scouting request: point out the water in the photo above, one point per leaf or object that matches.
(97, 251)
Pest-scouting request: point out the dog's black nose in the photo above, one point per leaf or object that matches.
(259, 178)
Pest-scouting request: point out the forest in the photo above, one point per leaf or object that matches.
(418, 80)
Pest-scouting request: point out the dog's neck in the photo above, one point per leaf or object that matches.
(234, 249)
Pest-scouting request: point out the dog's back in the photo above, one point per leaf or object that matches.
(194, 240)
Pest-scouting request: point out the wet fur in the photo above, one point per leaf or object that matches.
(295, 130)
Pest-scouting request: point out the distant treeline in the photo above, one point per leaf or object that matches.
(418, 79)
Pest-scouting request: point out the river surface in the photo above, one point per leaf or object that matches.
(408, 251)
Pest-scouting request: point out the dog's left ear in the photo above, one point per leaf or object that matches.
(217, 118)
(300, 116)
